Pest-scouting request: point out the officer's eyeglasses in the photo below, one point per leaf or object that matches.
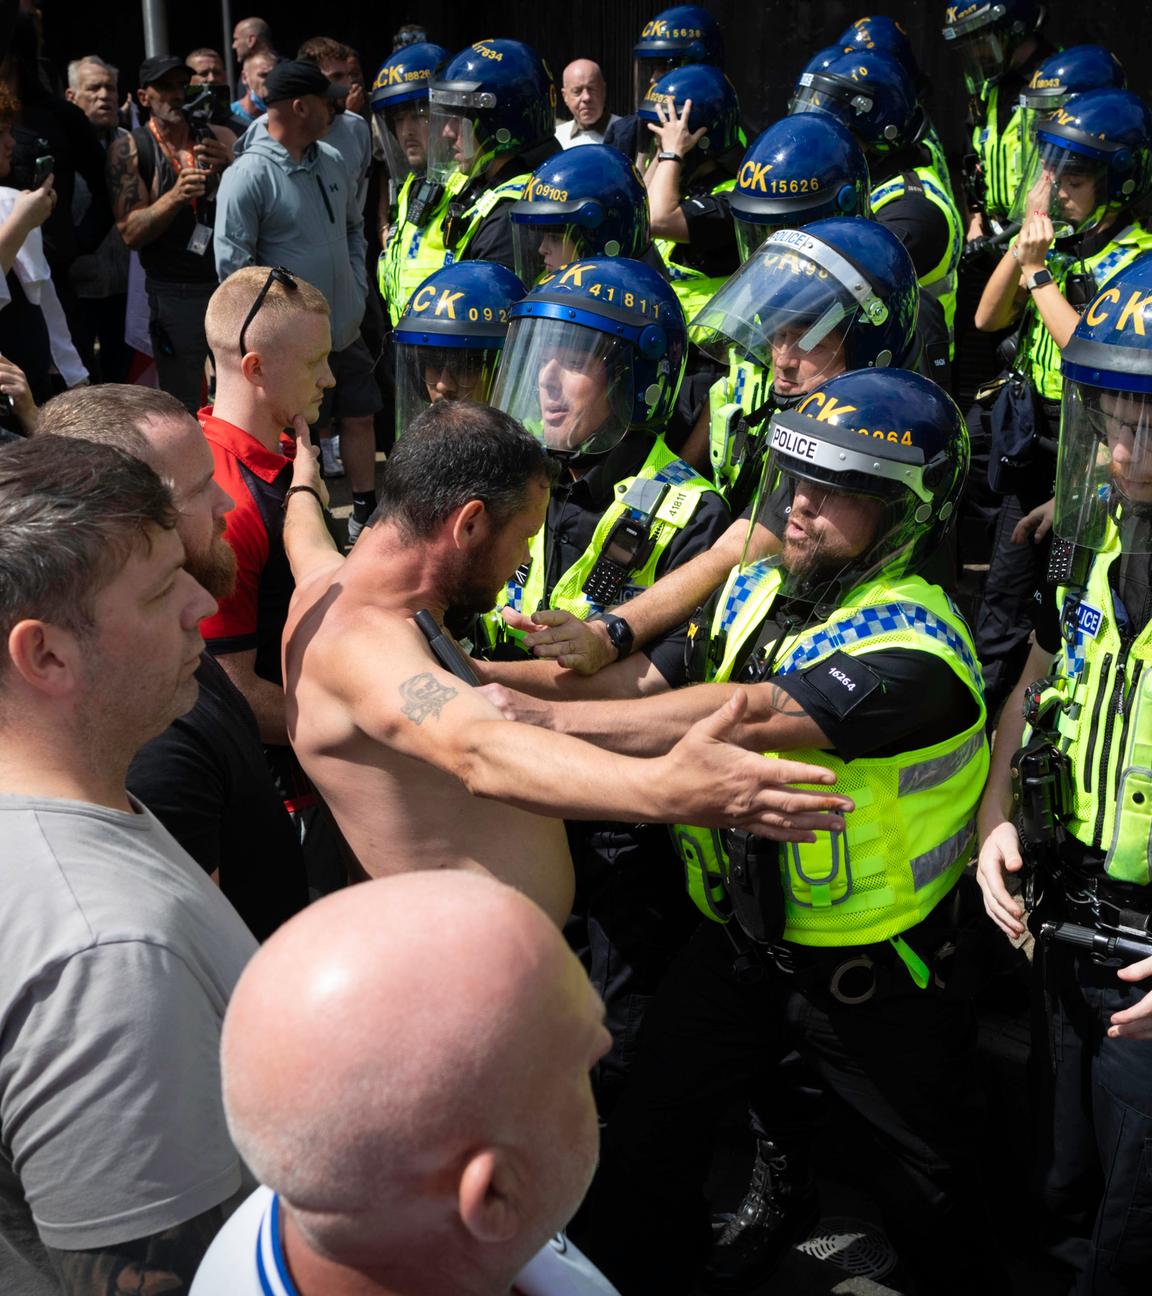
(276, 275)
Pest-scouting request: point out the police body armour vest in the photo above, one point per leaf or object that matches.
(940, 281)
(1106, 726)
(507, 191)
(693, 288)
(912, 831)
(1000, 154)
(663, 497)
(732, 448)
(413, 252)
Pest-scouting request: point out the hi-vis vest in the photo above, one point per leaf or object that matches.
(940, 281)
(731, 438)
(507, 191)
(1105, 726)
(1000, 153)
(664, 512)
(1042, 351)
(693, 288)
(939, 163)
(413, 252)
(907, 841)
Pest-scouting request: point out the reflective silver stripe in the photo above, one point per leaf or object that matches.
(929, 866)
(840, 268)
(931, 773)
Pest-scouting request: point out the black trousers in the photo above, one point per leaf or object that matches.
(900, 1061)
(1098, 1174)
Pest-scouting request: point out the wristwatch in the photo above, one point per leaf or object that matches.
(619, 632)
(1037, 280)
(666, 155)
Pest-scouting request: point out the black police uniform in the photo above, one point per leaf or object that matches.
(492, 240)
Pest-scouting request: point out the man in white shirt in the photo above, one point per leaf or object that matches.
(585, 94)
(406, 1069)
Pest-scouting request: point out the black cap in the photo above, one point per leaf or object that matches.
(153, 69)
(294, 78)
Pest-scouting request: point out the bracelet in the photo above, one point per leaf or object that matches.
(666, 155)
(295, 490)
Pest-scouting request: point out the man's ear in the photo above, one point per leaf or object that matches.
(142, 96)
(487, 1197)
(48, 657)
(252, 367)
(468, 525)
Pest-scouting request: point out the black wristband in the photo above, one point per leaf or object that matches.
(619, 633)
(295, 490)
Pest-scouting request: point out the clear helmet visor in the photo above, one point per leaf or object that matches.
(425, 374)
(645, 73)
(457, 145)
(401, 134)
(782, 311)
(541, 249)
(1104, 474)
(1067, 186)
(569, 385)
(750, 234)
(984, 57)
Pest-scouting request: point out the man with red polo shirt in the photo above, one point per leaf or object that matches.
(270, 337)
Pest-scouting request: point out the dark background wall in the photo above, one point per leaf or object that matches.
(768, 42)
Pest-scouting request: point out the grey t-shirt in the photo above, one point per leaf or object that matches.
(119, 959)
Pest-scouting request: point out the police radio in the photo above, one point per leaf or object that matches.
(424, 202)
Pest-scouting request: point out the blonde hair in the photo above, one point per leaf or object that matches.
(231, 302)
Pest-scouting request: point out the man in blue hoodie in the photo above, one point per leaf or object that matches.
(291, 203)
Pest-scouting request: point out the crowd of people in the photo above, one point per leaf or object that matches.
(697, 715)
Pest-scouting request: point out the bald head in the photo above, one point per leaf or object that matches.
(584, 92)
(250, 34)
(404, 1054)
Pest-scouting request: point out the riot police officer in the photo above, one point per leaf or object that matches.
(585, 202)
(674, 38)
(409, 228)
(1069, 798)
(449, 338)
(1059, 77)
(594, 356)
(493, 114)
(848, 655)
(1078, 202)
(874, 97)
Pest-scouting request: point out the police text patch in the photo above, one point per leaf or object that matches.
(843, 682)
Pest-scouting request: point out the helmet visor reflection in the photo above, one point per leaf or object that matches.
(425, 374)
(402, 133)
(1065, 185)
(540, 249)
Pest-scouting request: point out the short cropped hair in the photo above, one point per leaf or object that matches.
(231, 302)
(205, 52)
(453, 452)
(71, 514)
(110, 413)
(324, 49)
(95, 59)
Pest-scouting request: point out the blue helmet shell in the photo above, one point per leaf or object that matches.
(820, 60)
(685, 32)
(1072, 72)
(467, 304)
(714, 106)
(1017, 18)
(801, 169)
(506, 88)
(880, 35)
(1109, 126)
(405, 76)
(596, 188)
(629, 301)
(1112, 344)
(869, 93)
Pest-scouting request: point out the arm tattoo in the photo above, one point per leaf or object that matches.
(781, 702)
(161, 1265)
(425, 696)
(125, 187)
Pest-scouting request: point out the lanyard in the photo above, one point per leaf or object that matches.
(173, 155)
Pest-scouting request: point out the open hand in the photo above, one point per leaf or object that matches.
(673, 132)
(581, 646)
(1000, 854)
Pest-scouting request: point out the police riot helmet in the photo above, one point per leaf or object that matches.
(495, 99)
(880, 35)
(839, 294)
(986, 33)
(400, 107)
(677, 36)
(584, 202)
(870, 93)
(800, 169)
(593, 350)
(1092, 158)
(450, 335)
(714, 108)
(1104, 475)
(883, 454)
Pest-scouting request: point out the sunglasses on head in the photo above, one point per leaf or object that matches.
(276, 275)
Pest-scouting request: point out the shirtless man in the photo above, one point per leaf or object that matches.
(422, 772)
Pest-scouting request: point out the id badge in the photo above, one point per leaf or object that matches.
(201, 237)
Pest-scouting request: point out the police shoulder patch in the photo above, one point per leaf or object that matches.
(843, 682)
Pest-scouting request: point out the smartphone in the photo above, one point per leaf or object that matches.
(45, 165)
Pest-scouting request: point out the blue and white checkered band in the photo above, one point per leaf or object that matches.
(888, 618)
(514, 596)
(745, 584)
(676, 473)
(1074, 656)
(271, 1266)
